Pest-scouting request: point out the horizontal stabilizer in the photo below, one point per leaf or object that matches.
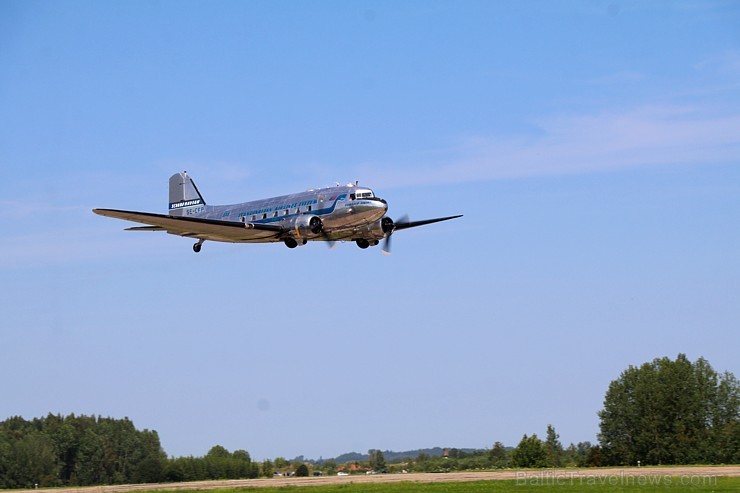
(146, 228)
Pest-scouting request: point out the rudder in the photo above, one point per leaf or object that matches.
(185, 198)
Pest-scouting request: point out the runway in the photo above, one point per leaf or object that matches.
(605, 476)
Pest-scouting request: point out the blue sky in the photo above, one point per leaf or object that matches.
(593, 148)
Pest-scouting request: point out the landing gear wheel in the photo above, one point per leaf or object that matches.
(291, 243)
(196, 247)
(362, 243)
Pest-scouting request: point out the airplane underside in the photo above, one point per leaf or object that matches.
(292, 240)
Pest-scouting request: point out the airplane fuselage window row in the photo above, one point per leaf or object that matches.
(277, 213)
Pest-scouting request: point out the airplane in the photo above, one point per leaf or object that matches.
(340, 213)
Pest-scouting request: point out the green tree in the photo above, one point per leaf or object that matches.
(302, 471)
(670, 412)
(726, 421)
(594, 457)
(218, 452)
(529, 453)
(268, 468)
(31, 461)
(91, 459)
(242, 455)
(376, 460)
(64, 437)
(174, 471)
(498, 456)
(553, 447)
(151, 458)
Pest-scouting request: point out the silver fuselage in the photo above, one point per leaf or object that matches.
(346, 213)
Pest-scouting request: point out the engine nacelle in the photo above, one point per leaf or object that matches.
(379, 229)
(307, 225)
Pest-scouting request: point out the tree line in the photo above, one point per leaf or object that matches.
(77, 450)
(218, 463)
(92, 450)
(530, 452)
(662, 412)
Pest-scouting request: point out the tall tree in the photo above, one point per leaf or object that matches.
(670, 412)
(553, 447)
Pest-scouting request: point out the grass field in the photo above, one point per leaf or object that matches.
(579, 485)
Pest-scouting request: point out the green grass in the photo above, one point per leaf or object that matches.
(586, 485)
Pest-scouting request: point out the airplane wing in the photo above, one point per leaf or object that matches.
(207, 229)
(412, 224)
(404, 223)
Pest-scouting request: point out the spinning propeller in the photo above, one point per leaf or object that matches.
(389, 226)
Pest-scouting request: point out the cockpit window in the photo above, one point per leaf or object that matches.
(364, 194)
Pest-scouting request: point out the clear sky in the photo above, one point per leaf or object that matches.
(593, 147)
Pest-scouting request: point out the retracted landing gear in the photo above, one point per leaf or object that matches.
(196, 247)
(363, 243)
(292, 242)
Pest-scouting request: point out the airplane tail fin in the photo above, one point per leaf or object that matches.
(184, 195)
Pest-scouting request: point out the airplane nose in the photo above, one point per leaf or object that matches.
(373, 207)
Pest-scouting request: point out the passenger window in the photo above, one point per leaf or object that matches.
(352, 196)
(309, 208)
(264, 216)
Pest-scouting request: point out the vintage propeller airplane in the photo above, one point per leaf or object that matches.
(340, 213)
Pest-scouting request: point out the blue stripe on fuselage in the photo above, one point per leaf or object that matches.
(317, 212)
(258, 208)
